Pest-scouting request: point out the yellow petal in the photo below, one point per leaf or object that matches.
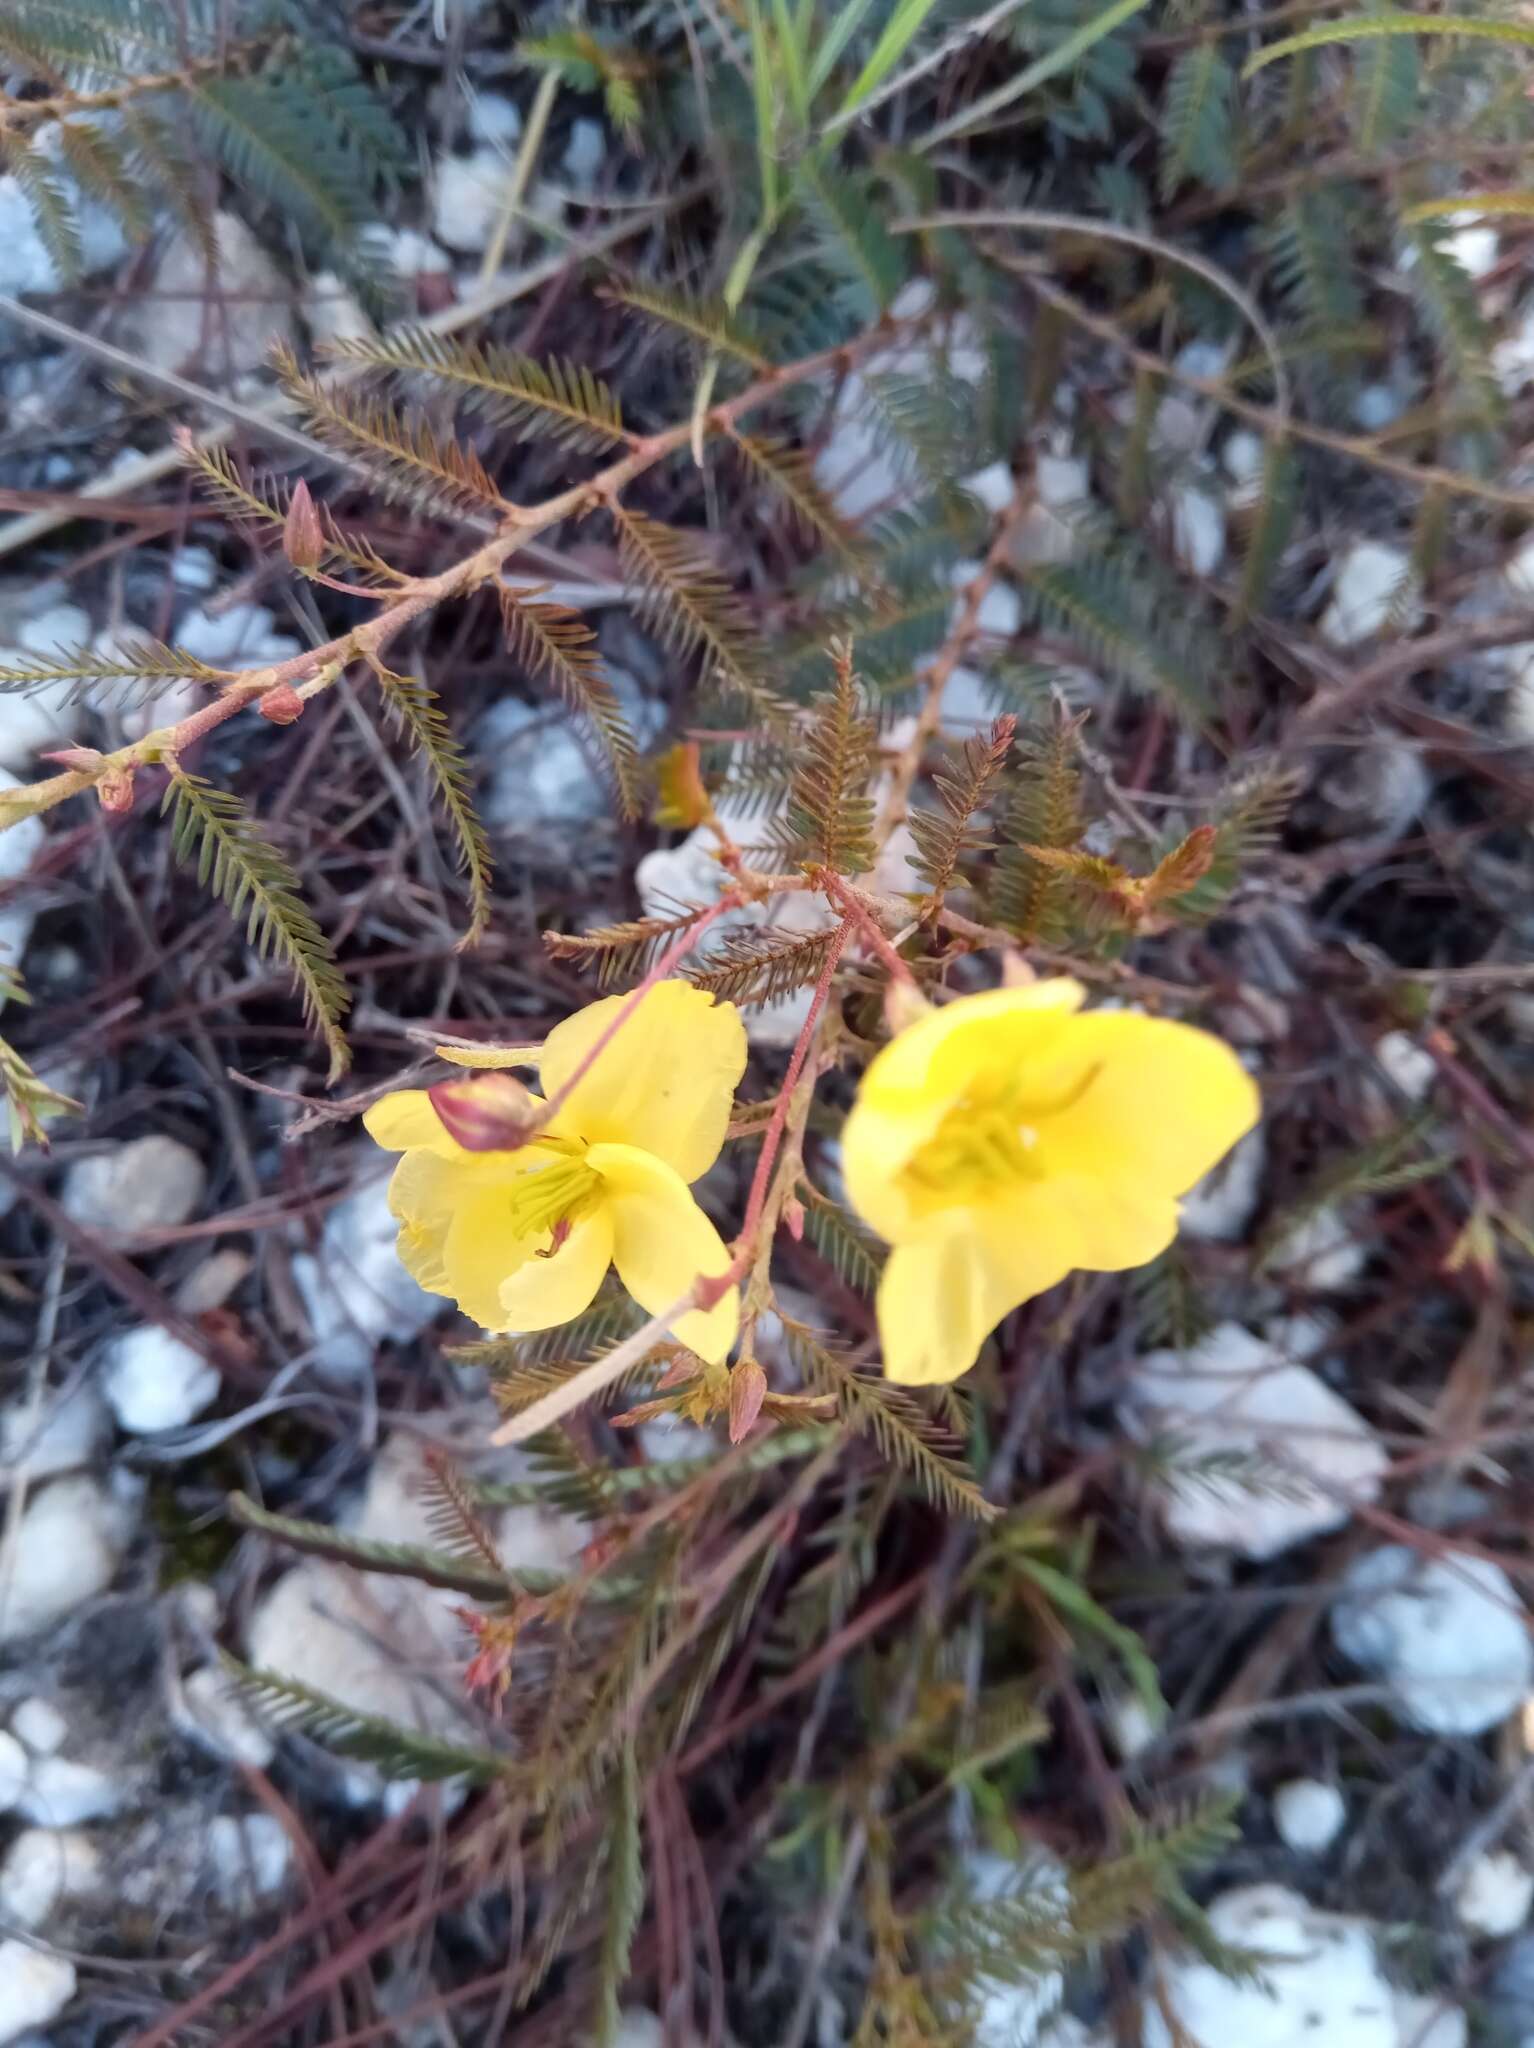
(1114, 1225)
(406, 1119)
(482, 1251)
(420, 1195)
(665, 1083)
(549, 1290)
(1164, 1103)
(919, 1076)
(941, 1297)
(662, 1241)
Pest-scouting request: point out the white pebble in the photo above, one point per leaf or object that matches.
(152, 1183)
(153, 1381)
(994, 486)
(61, 1793)
(1378, 406)
(1220, 1207)
(1473, 247)
(1308, 1814)
(26, 261)
(43, 1867)
(39, 1724)
(250, 1857)
(35, 1987)
(1243, 458)
(69, 1544)
(1320, 1984)
(354, 1288)
(1198, 529)
(62, 1433)
(248, 304)
(1512, 358)
(468, 199)
(1410, 1066)
(585, 152)
(221, 1722)
(1001, 609)
(229, 636)
(1321, 1253)
(20, 844)
(1012, 2012)
(1423, 2022)
(210, 1285)
(1233, 1398)
(1494, 1895)
(14, 1770)
(1131, 1725)
(1448, 1636)
(493, 118)
(1372, 586)
(332, 311)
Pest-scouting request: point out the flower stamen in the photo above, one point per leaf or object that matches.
(554, 1197)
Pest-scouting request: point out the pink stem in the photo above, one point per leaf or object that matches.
(757, 1199)
(868, 924)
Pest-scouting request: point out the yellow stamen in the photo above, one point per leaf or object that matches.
(560, 1192)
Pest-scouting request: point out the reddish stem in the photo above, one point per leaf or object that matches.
(757, 1199)
(868, 925)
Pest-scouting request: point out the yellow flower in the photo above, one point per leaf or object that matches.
(1004, 1141)
(521, 1238)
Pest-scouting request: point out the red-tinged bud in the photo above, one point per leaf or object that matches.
(281, 704)
(491, 1113)
(303, 538)
(793, 1218)
(82, 759)
(115, 789)
(748, 1390)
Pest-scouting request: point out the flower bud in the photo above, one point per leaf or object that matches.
(748, 1390)
(115, 789)
(303, 538)
(281, 704)
(491, 1113)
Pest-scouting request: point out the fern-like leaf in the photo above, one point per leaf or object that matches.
(854, 1254)
(1271, 525)
(102, 169)
(212, 832)
(554, 641)
(1043, 810)
(748, 968)
(28, 1099)
(418, 713)
(621, 952)
(396, 1751)
(788, 471)
(454, 1518)
(855, 245)
(1198, 121)
(428, 1567)
(899, 1426)
(625, 1892)
(1122, 607)
(947, 839)
(564, 400)
(1314, 270)
(144, 661)
(691, 608)
(1446, 297)
(1246, 827)
(706, 322)
(408, 462)
(45, 193)
(830, 811)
